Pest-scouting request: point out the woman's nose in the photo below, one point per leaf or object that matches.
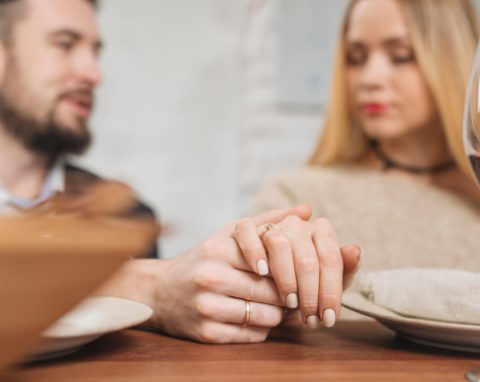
(375, 72)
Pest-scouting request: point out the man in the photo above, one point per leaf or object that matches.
(219, 291)
(44, 108)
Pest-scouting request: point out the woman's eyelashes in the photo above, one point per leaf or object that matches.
(359, 57)
(402, 57)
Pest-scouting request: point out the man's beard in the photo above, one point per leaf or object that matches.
(48, 137)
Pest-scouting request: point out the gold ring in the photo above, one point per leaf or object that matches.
(270, 226)
(248, 312)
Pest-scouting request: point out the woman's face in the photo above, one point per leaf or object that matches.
(387, 91)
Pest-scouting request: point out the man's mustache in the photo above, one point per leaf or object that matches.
(82, 95)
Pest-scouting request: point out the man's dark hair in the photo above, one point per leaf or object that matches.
(13, 10)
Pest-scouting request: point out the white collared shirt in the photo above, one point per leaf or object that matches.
(54, 183)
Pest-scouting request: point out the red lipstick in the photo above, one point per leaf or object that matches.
(374, 108)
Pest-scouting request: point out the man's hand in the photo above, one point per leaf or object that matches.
(202, 294)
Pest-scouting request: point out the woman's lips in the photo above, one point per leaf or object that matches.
(374, 108)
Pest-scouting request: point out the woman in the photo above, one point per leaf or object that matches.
(389, 170)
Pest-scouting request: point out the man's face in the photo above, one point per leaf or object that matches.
(50, 74)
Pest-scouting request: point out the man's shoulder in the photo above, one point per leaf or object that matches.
(77, 182)
(70, 167)
(78, 179)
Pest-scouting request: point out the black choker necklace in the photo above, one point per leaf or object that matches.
(389, 163)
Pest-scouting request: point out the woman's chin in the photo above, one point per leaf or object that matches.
(383, 133)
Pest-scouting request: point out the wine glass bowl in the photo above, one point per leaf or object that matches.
(471, 139)
(471, 121)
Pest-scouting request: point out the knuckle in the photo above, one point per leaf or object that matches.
(257, 336)
(331, 258)
(207, 277)
(209, 248)
(331, 297)
(292, 220)
(242, 224)
(307, 262)
(201, 278)
(214, 249)
(253, 249)
(277, 320)
(277, 243)
(309, 306)
(272, 317)
(287, 285)
(204, 306)
(326, 228)
(324, 223)
(250, 289)
(207, 334)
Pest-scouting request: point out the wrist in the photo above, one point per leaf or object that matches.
(137, 280)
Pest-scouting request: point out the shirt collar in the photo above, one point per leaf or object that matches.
(54, 183)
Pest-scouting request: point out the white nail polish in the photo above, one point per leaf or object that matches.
(292, 301)
(262, 267)
(312, 322)
(329, 318)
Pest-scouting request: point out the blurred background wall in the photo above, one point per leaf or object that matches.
(203, 100)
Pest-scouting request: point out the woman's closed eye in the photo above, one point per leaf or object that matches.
(356, 56)
(402, 56)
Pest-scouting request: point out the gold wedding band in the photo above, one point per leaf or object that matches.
(268, 227)
(248, 312)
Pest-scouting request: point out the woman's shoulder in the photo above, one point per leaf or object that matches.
(308, 176)
(350, 187)
(306, 184)
(353, 182)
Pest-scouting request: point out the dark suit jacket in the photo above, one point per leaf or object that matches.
(77, 180)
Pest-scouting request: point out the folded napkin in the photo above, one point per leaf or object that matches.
(434, 294)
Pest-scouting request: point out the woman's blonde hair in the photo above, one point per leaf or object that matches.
(444, 35)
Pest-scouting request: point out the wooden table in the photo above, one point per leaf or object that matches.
(352, 351)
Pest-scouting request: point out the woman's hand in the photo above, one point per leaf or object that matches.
(306, 262)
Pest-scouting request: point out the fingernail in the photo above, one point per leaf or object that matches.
(312, 322)
(262, 267)
(329, 318)
(292, 300)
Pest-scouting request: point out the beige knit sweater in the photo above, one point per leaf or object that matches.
(397, 222)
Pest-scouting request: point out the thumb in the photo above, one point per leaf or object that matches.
(351, 255)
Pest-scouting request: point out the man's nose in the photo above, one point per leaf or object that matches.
(88, 69)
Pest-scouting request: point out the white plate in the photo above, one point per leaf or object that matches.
(91, 319)
(461, 337)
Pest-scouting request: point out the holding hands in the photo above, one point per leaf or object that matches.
(212, 295)
(234, 286)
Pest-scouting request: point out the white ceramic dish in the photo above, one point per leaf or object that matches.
(446, 335)
(91, 319)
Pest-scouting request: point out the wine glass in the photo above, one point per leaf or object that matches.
(471, 139)
(471, 119)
